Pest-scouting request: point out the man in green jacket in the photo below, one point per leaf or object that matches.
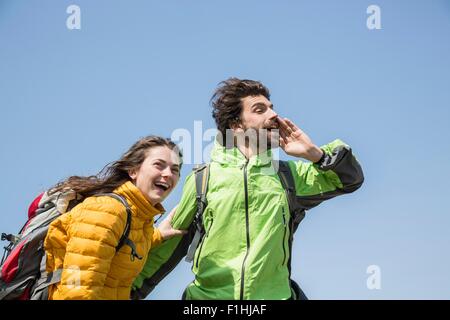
(245, 251)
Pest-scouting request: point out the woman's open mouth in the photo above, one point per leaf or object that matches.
(162, 186)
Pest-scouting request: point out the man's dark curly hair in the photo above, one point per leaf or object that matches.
(227, 104)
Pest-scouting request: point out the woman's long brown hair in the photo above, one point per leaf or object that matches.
(115, 174)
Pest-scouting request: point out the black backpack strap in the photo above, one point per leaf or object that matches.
(201, 186)
(287, 180)
(124, 238)
(297, 212)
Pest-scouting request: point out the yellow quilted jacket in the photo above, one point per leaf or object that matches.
(83, 242)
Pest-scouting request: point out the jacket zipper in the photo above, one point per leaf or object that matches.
(284, 236)
(201, 244)
(246, 230)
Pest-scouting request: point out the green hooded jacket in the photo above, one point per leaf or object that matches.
(245, 251)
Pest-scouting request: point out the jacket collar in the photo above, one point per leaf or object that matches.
(232, 156)
(140, 206)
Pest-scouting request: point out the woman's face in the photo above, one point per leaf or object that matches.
(158, 174)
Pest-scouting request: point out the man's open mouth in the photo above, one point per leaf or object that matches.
(272, 125)
(271, 128)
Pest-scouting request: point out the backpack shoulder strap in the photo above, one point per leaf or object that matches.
(201, 186)
(126, 232)
(297, 213)
(288, 182)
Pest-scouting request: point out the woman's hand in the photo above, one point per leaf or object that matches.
(166, 229)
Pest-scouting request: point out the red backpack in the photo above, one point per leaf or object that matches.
(23, 266)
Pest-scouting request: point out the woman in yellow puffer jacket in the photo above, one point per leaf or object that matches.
(83, 241)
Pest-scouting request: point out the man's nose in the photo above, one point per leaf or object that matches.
(272, 115)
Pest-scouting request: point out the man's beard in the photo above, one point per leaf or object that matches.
(262, 138)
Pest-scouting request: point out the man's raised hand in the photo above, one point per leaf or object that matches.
(297, 143)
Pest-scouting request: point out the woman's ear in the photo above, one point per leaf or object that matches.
(133, 174)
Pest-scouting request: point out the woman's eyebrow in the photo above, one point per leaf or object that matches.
(165, 162)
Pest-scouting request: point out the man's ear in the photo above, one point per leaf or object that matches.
(236, 126)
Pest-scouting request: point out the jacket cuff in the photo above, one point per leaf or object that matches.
(322, 158)
(157, 237)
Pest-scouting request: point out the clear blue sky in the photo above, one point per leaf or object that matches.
(73, 100)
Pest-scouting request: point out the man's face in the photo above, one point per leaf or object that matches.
(258, 114)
